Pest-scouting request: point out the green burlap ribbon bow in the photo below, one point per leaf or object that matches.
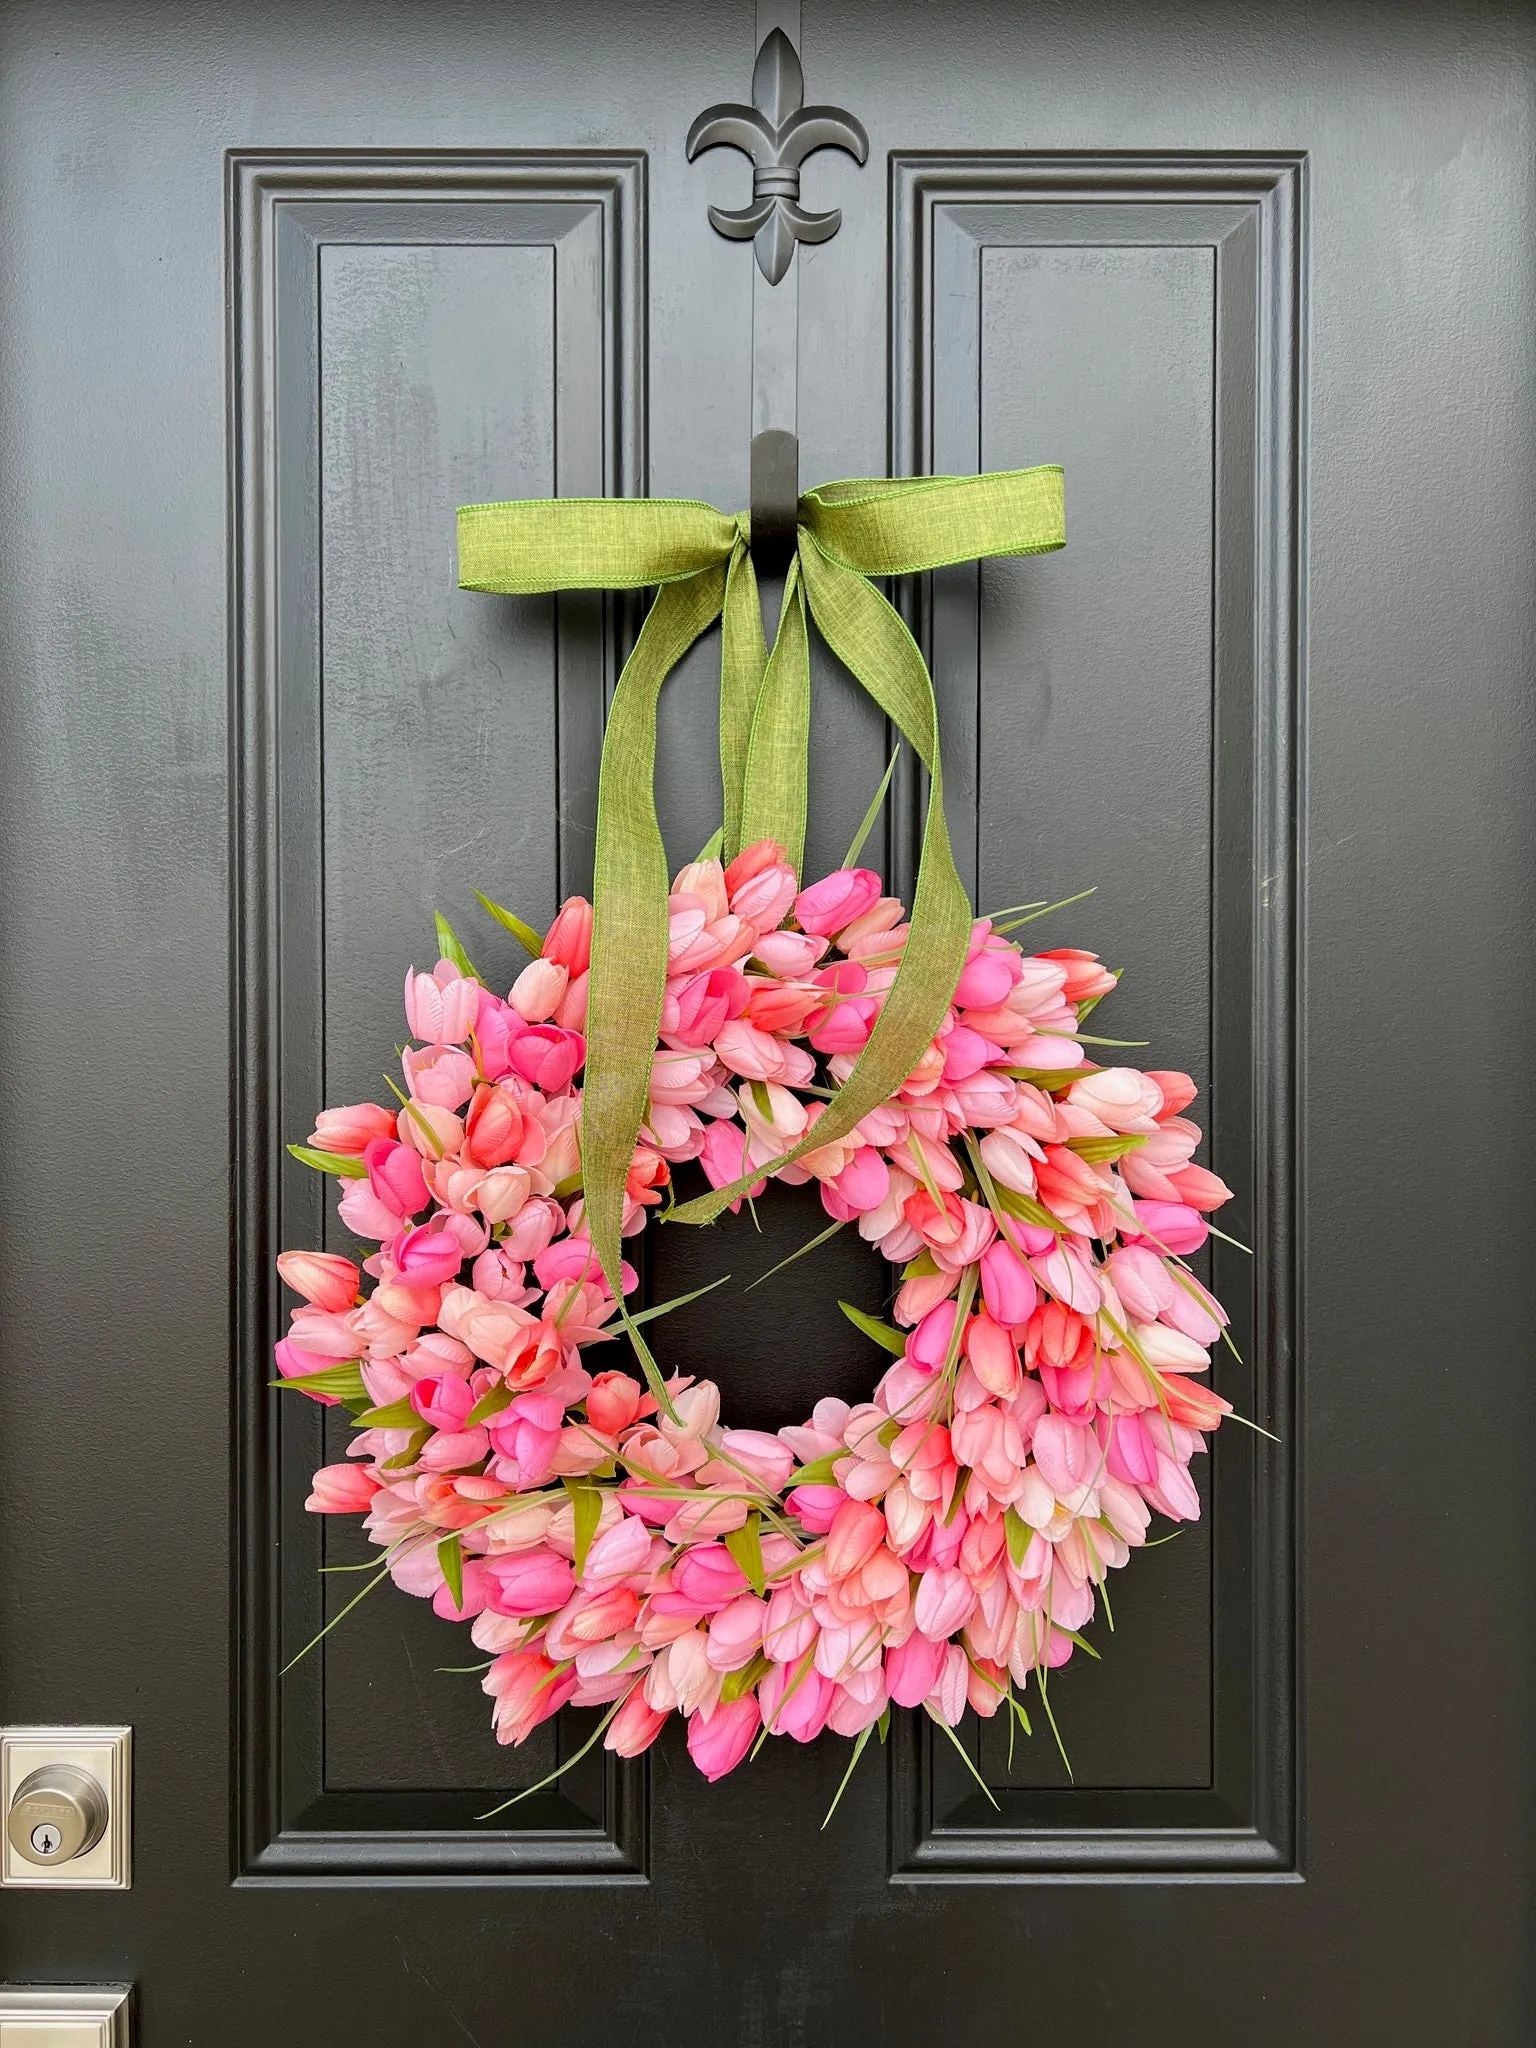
(701, 561)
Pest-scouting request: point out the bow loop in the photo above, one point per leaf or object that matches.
(897, 526)
(701, 560)
(539, 544)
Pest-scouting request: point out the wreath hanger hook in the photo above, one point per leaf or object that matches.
(775, 500)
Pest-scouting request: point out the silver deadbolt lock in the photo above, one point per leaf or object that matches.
(56, 1814)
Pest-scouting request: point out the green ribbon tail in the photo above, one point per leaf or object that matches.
(743, 664)
(776, 790)
(871, 640)
(629, 914)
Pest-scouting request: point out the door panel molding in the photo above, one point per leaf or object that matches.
(289, 214)
(947, 213)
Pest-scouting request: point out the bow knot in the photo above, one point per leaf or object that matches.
(700, 560)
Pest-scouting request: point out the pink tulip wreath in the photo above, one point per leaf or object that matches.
(620, 1548)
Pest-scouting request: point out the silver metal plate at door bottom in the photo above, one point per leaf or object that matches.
(65, 2016)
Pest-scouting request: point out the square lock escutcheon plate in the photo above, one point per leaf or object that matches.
(104, 1755)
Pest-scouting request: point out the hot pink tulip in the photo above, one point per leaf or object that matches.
(718, 1742)
(325, 1279)
(795, 1702)
(830, 904)
(1007, 1285)
(708, 1577)
(395, 1176)
(548, 1056)
(429, 1254)
(912, 1670)
(815, 1507)
(342, 1490)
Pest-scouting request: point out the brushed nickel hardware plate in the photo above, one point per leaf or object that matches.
(29, 1854)
(65, 2016)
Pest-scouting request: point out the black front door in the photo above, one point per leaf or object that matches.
(281, 288)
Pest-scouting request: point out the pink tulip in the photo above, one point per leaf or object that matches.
(569, 938)
(621, 1552)
(496, 1025)
(1200, 1189)
(538, 991)
(352, 1129)
(443, 1075)
(993, 1356)
(634, 1727)
(1177, 1090)
(526, 1691)
(342, 1490)
(708, 1577)
(529, 1582)
(988, 977)
(1200, 1407)
(945, 1601)
(1084, 976)
(442, 1400)
(766, 1459)
(698, 1007)
(441, 1006)
(857, 1532)
(395, 1177)
(795, 1701)
(764, 900)
(789, 1629)
(951, 1694)
(614, 1402)
(325, 1279)
(429, 1254)
(1007, 1285)
(828, 905)
(1171, 1226)
(912, 1670)
(815, 1507)
(736, 1633)
(789, 955)
(1066, 1453)
(928, 1345)
(717, 1743)
(548, 1056)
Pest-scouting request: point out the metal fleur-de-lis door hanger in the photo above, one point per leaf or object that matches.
(778, 132)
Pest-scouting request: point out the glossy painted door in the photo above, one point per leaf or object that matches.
(282, 286)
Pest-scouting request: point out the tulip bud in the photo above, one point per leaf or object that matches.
(351, 1129)
(634, 1727)
(569, 939)
(324, 1278)
(537, 991)
(827, 906)
(342, 1490)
